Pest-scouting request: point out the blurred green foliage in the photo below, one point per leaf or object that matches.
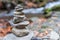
(56, 8)
(47, 12)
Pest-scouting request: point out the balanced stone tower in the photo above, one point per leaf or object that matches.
(19, 23)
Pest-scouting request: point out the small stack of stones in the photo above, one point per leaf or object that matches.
(20, 22)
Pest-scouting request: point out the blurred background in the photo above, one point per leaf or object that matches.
(33, 6)
(42, 12)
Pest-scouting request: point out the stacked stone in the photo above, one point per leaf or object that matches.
(20, 22)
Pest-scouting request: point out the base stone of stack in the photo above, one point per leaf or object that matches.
(13, 37)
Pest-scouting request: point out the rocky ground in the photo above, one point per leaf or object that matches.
(53, 22)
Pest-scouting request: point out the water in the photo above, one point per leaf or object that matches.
(52, 4)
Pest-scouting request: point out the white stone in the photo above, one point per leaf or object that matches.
(19, 15)
(17, 12)
(19, 9)
(54, 35)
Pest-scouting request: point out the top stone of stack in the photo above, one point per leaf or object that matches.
(19, 8)
(18, 12)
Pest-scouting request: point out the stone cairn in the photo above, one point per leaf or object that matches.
(20, 22)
